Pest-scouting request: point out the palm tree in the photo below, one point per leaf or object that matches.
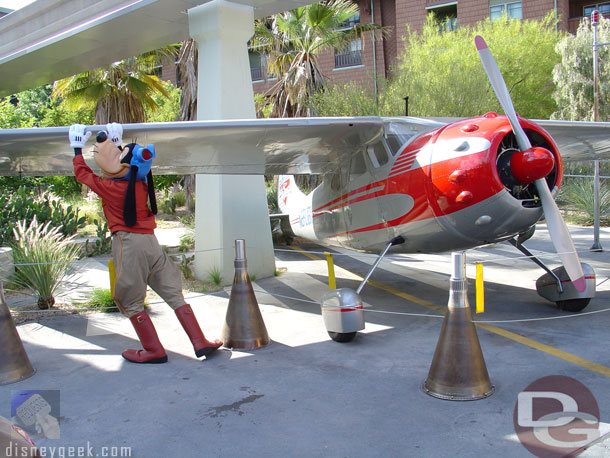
(120, 92)
(292, 41)
(187, 66)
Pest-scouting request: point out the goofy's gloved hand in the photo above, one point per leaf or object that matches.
(115, 133)
(78, 137)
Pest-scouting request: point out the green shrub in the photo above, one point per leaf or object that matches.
(103, 244)
(23, 205)
(577, 193)
(215, 275)
(42, 257)
(187, 241)
(168, 205)
(180, 198)
(101, 298)
(271, 189)
(185, 266)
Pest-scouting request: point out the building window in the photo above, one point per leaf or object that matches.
(256, 66)
(497, 10)
(603, 8)
(350, 57)
(351, 22)
(446, 15)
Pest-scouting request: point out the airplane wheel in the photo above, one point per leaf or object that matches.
(573, 305)
(342, 336)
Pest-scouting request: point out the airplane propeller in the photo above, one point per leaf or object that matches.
(539, 160)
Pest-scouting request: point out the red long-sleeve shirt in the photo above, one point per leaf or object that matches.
(112, 193)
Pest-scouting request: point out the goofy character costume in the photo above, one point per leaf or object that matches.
(139, 260)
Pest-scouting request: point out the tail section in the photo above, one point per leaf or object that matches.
(289, 196)
(297, 205)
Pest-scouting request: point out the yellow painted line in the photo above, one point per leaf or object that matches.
(603, 370)
(577, 360)
(309, 255)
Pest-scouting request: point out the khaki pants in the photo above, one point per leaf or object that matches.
(139, 261)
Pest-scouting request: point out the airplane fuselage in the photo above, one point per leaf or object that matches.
(448, 188)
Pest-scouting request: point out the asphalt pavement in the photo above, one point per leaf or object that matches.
(304, 395)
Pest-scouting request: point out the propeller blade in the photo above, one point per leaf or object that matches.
(558, 230)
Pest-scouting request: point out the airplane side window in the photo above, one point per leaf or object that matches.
(395, 142)
(357, 166)
(377, 154)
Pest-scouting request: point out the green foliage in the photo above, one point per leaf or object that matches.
(350, 99)
(573, 76)
(168, 205)
(103, 243)
(188, 220)
(58, 115)
(271, 190)
(125, 91)
(263, 106)
(164, 182)
(36, 108)
(24, 109)
(168, 108)
(101, 298)
(180, 197)
(187, 241)
(185, 266)
(578, 194)
(64, 186)
(292, 41)
(42, 257)
(443, 76)
(22, 204)
(215, 275)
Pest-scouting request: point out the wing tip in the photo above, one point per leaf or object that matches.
(480, 43)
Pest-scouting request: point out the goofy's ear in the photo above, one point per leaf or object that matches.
(151, 193)
(129, 206)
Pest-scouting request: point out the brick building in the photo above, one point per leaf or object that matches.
(364, 60)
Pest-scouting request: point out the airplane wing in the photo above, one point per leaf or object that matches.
(579, 141)
(254, 146)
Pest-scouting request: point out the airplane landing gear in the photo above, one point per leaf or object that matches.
(342, 337)
(573, 305)
(342, 308)
(556, 286)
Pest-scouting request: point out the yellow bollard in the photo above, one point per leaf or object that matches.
(331, 271)
(480, 299)
(112, 274)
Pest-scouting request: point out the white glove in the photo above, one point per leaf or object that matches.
(78, 136)
(115, 133)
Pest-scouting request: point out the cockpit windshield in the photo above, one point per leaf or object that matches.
(401, 131)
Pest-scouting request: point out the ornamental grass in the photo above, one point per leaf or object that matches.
(42, 257)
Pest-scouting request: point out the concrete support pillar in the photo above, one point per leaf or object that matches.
(227, 207)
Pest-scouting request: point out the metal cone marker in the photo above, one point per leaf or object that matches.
(244, 328)
(14, 362)
(458, 371)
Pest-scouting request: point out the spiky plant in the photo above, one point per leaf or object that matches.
(42, 257)
(579, 195)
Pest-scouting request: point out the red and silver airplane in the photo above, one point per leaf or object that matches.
(389, 184)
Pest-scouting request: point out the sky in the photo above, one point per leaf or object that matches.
(14, 4)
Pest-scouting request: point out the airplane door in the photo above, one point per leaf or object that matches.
(363, 211)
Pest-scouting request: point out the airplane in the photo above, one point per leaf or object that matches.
(400, 184)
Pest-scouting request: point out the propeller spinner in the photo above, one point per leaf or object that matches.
(532, 165)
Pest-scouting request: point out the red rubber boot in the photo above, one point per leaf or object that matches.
(202, 346)
(153, 352)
